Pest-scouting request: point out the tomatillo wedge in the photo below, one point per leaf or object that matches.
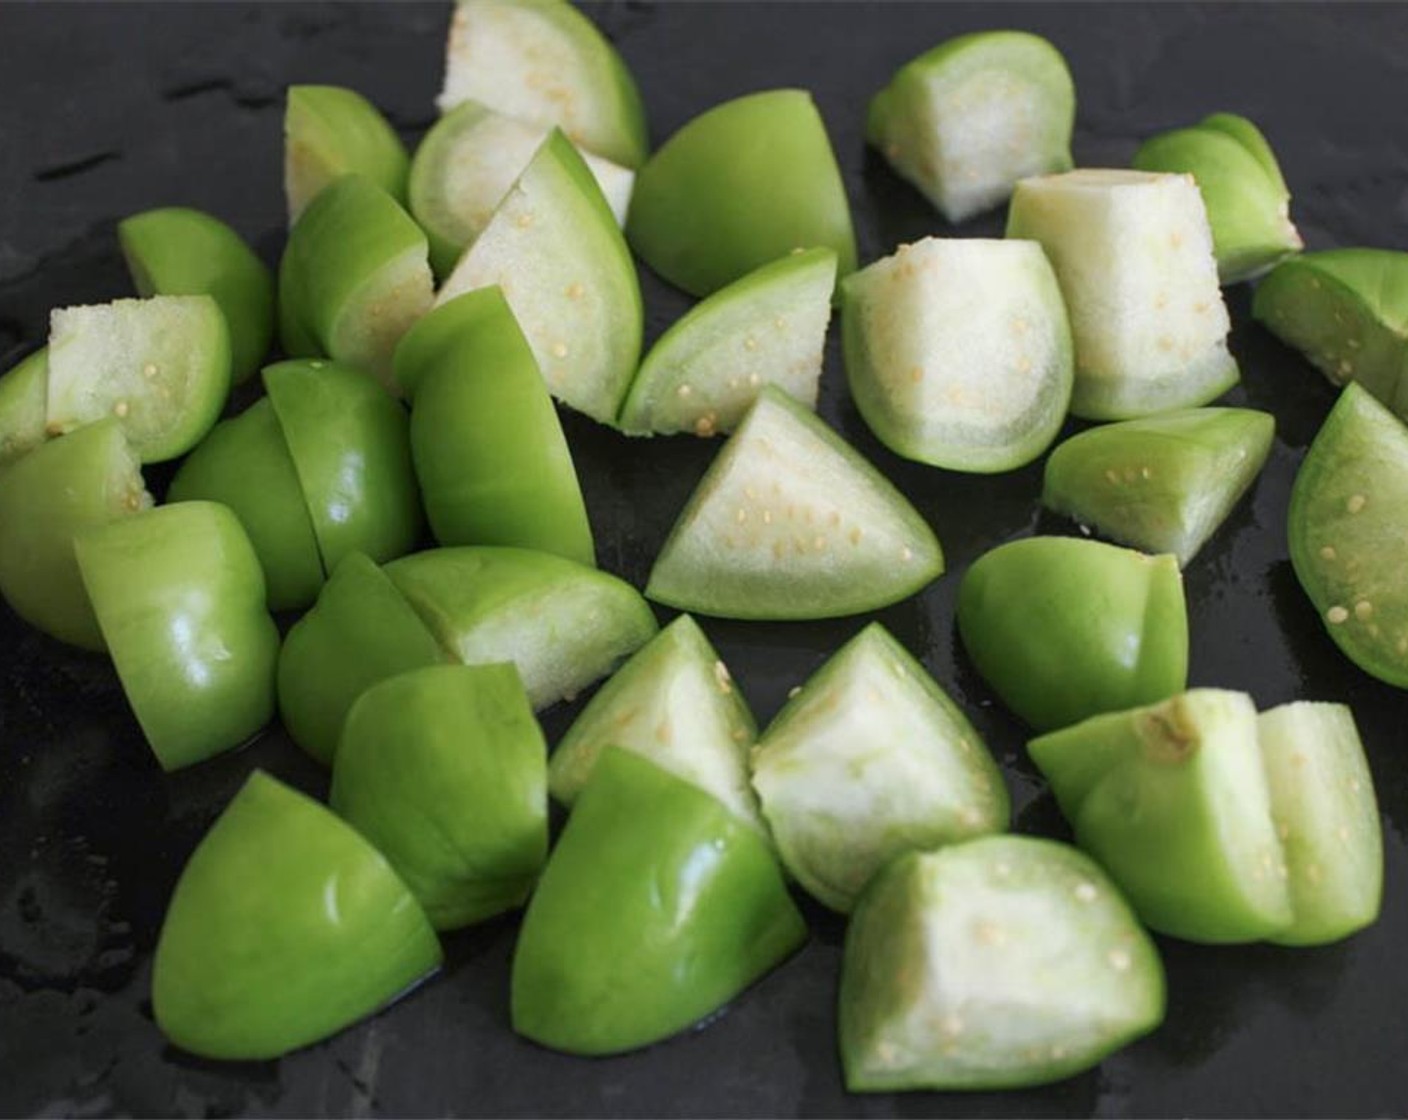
(24, 390)
(657, 907)
(563, 625)
(740, 185)
(160, 365)
(869, 760)
(995, 964)
(330, 131)
(1063, 629)
(67, 485)
(353, 278)
(466, 164)
(179, 594)
(791, 522)
(359, 632)
(1346, 310)
(1348, 533)
(1163, 483)
(768, 328)
(1133, 255)
(968, 118)
(1322, 801)
(176, 251)
(674, 703)
(544, 62)
(492, 461)
(958, 352)
(444, 769)
(350, 446)
(1248, 203)
(285, 927)
(554, 248)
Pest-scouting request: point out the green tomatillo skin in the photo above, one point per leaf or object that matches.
(444, 769)
(1063, 629)
(740, 185)
(85, 479)
(657, 907)
(493, 464)
(176, 251)
(179, 594)
(24, 389)
(285, 927)
(331, 131)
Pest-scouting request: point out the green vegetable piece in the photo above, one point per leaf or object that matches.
(1004, 962)
(1347, 531)
(1063, 629)
(1164, 483)
(59, 489)
(738, 186)
(351, 449)
(179, 594)
(1346, 310)
(675, 704)
(24, 389)
(285, 927)
(544, 62)
(563, 625)
(554, 248)
(869, 760)
(968, 118)
(176, 251)
(160, 365)
(657, 907)
(791, 522)
(958, 353)
(354, 276)
(1133, 254)
(489, 451)
(1322, 800)
(330, 132)
(769, 328)
(466, 164)
(1172, 801)
(359, 632)
(444, 769)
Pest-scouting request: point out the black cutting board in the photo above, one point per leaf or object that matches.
(106, 110)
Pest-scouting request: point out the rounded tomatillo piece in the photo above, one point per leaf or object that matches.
(329, 132)
(285, 927)
(81, 480)
(657, 907)
(740, 185)
(444, 769)
(179, 594)
(1063, 629)
(176, 251)
(24, 389)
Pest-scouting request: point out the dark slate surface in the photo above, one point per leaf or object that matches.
(106, 110)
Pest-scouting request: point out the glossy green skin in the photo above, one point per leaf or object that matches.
(1063, 629)
(330, 131)
(23, 392)
(1346, 310)
(350, 445)
(244, 464)
(359, 632)
(1347, 532)
(180, 596)
(742, 184)
(493, 463)
(70, 484)
(444, 770)
(657, 907)
(177, 251)
(285, 927)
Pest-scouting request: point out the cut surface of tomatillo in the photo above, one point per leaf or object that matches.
(332, 131)
(958, 352)
(791, 522)
(24, 391)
